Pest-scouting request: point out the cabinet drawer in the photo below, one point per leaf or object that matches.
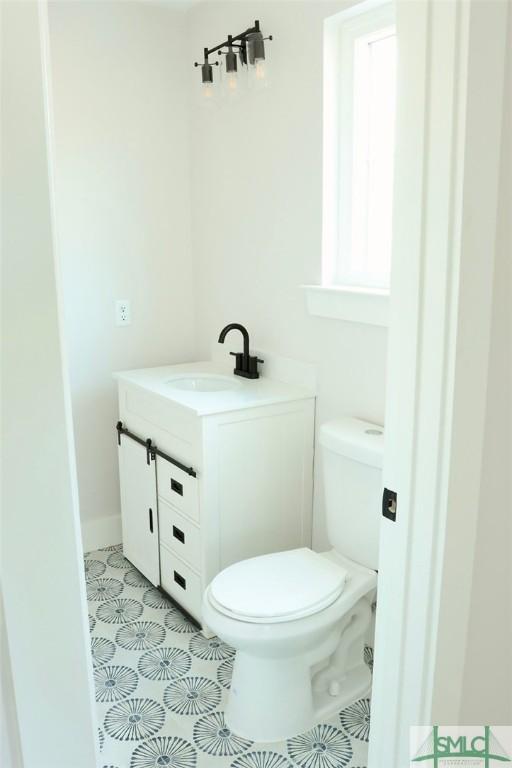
(179, 533)
(180, 582)
(178, 488)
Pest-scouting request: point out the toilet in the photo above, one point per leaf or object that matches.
(299, 619)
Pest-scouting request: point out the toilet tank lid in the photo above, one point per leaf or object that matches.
(356, 439)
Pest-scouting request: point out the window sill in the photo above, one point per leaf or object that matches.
(355, 305)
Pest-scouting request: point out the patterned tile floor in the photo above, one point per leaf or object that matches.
(161, 687)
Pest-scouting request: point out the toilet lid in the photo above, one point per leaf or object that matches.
(278, 587)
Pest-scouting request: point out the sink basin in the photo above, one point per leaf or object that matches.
(204, 383)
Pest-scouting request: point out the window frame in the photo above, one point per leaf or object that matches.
(341, 33)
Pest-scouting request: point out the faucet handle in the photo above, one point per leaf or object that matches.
(239, 360)
(246, 367)
(258, 360)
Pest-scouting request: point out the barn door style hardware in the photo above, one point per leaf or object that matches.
(246, 48)
(151, 450)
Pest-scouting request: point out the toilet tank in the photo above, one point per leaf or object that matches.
(352, 472)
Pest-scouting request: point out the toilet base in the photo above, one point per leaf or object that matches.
(269, 698)
(290, 675)
(356, 685)
(272, 699)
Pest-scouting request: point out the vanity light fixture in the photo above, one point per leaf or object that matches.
(231, 66)
(251, 53)
(207, 74)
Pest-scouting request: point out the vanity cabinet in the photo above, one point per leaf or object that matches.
(243, 487)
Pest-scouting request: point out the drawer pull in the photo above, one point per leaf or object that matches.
(151, 520)
(178, 534)
(180, 580)
(176, 487)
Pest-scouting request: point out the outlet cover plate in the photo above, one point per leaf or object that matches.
(123, 312)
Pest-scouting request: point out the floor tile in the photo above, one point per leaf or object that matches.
(161, 687)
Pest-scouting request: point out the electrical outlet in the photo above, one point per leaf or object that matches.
(123, 315)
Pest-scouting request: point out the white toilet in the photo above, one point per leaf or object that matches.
(298, 619)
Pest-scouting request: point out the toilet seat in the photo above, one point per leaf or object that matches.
(282, 586)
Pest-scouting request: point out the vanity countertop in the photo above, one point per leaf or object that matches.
(208, 387)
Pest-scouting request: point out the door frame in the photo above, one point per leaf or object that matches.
(449, 118)
(48, 654)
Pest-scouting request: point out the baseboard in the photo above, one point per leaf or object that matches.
(101, 532)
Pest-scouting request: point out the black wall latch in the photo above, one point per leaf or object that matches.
(389, 504)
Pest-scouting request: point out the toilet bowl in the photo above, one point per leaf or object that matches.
(299, 619)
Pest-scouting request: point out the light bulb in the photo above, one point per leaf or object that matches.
(231, 81)
(259, 69)
(207, 90)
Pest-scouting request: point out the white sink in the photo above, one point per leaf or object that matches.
(203, 383)
(208, 387)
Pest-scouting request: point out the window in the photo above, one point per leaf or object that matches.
(359, 117)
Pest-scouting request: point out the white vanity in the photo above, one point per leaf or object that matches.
(214, 469)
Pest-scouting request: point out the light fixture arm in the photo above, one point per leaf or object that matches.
(234, 41)
(241, 36)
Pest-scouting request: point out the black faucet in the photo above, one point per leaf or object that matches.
(246, 365)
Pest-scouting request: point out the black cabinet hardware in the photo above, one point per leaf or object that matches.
(151, 520)
(178, 534)
(151, 450)
(178, 578)
(176, 487)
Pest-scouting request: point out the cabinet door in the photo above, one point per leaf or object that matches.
(139, 509)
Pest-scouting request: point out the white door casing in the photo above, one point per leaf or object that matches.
(42, 568)
(450, 82)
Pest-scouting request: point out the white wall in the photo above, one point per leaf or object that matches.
(10, 747)
(122, 181)
(130, 226)
(487, 693)
(256, 212)
(42, 577)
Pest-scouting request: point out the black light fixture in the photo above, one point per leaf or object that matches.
(251, 53)
(206, 73)
(231, 66)
(256, 54)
